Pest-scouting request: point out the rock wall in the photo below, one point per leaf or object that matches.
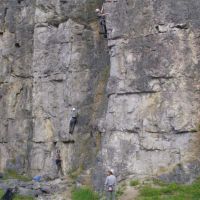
(137, 93)
(152, 120)
(16, 53)
(52, 59)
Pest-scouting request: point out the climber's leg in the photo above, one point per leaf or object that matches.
(72, 125)
(103, 27)
(105, 32)
(101, 31)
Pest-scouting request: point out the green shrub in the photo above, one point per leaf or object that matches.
(84, 193)
(134, 182)
(119, 192)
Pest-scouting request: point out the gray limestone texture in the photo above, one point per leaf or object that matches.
(137, 93)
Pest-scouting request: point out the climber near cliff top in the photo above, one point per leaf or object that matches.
(73, 120)
(110, 185)
(102, 21)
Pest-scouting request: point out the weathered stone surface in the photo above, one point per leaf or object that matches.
(137, 94)
(16, 47)
(153, 109)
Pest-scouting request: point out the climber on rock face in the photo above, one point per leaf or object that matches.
(59, 163)
(73, 120)
(102, 21)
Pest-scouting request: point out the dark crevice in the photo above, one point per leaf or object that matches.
(54, 143)
(38, 142)
(151, 149)
(17, 96)
(142, 92)
(5, 13)
(156, 132)
(181, 26)
(4, 142)
(133, 93)
(64, 1)
(19, 1)
(17, 45)
(116, 37)
(161, 77)
(157, 28)
(21, 76)
(136, 130)
(56, 80)
(183, 132)
(54, 23)
(68, 142)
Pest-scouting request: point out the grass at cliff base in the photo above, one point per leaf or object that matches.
(171, 191)
(1, 193)
(84, 193)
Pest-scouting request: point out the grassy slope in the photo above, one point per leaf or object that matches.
(170, 192)
(156, 191)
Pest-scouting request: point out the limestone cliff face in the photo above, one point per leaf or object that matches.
(137, 93)
(152, 118)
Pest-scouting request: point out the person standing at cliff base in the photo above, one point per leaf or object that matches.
(110, 185)
(73, 120)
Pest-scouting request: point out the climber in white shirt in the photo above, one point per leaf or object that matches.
(73, 120)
